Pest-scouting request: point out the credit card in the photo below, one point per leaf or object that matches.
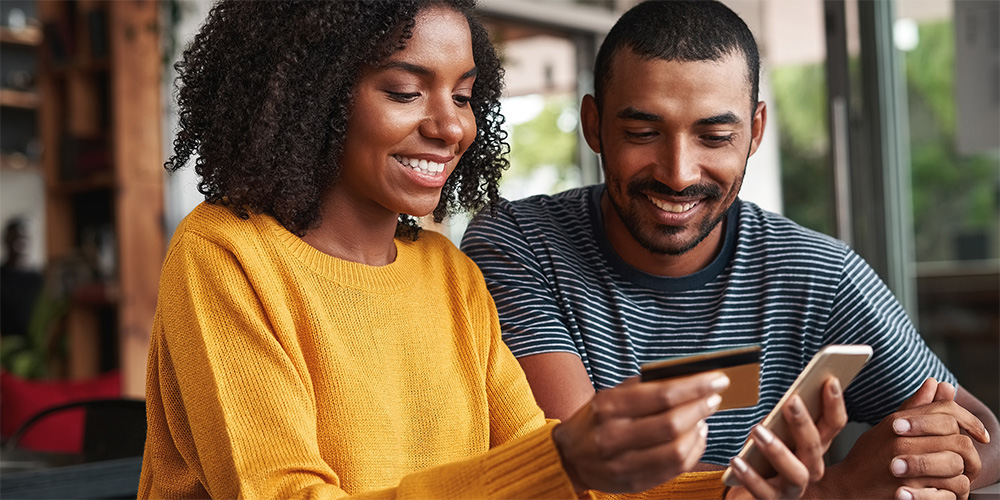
(740, 364)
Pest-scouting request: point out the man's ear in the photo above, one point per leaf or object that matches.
(757, 127)
(590, 119)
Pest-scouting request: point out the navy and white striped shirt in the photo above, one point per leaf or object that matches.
(560, 287)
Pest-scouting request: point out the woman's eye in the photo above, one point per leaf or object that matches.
(403, 96)
(462, 100)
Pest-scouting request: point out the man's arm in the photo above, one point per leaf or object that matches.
(559, 381)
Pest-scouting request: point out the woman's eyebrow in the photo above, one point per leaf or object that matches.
(422, 70)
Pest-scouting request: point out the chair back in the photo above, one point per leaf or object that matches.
(113, 428)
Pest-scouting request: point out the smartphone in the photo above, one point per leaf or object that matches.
(740, 364)
(841, 361)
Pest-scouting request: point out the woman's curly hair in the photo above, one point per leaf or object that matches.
(266, 88)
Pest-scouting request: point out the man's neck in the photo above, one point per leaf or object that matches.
(637, 256)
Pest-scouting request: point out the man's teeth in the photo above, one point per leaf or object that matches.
(672, 207)
(424, 166)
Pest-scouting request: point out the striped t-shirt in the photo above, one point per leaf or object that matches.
(560, 287)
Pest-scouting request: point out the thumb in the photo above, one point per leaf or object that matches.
(945, 392)
(924, 395)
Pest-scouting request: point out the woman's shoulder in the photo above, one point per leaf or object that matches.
(221, 225)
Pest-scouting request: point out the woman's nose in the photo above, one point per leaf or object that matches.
(445, 121)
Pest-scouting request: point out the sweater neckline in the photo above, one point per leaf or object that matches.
(390, 277)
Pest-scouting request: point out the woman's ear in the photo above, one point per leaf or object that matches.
(590, 120)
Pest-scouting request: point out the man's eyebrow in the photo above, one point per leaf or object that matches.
(631, 113)
(727, 118)
(423, 70)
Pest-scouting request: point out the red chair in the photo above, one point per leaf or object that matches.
(112, 428)
(21, 399)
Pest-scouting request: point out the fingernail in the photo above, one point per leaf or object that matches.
(763, 434)
(739, 464)
(904, 495)
(704, 429)
(987, 433)
(898, 467)
(713, 401)
(796, 407)
(835, 388)
(720, 383)
(901, 425)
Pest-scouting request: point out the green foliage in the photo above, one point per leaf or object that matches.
(30, 356)
(539, 145)
(800, 109)
(800, 95)
(930, 73)
(952, 194)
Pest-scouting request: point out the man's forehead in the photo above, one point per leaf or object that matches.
(635, 79)
(625, 62)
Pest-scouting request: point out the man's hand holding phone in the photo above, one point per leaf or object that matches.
(784, 454)
(795, 470)
(807, 418)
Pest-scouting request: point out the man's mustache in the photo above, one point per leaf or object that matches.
(640, 187)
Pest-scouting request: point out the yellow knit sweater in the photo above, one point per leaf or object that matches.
(276, 371)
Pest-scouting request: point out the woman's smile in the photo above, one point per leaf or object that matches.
(410, 122)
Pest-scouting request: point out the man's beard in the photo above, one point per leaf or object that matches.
(638, 188)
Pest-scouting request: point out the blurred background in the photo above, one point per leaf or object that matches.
(883, 131)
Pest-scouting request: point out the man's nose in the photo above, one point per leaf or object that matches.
(678, 166)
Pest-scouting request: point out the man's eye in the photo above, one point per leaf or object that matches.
(403, 96)
(639, 135)
(719, 139)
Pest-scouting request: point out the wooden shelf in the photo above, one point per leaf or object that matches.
(104, 112)
(29, 36)
(18, 99)
(64, 69)
(105, 180)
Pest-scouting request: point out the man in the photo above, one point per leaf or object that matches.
(664, 259)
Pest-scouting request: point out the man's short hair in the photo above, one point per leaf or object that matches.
(686, 31)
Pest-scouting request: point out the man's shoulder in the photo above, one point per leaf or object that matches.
(540, 226)
(545, 206)
(539, 213)
(760, 226)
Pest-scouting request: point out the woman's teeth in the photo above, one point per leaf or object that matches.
(424, 166)
(672, 207)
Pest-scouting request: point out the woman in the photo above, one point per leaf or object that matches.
(310, 340)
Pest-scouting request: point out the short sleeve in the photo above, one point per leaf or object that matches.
(512, 262)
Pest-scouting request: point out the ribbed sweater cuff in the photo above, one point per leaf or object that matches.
(534, 460)
(689, 485)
